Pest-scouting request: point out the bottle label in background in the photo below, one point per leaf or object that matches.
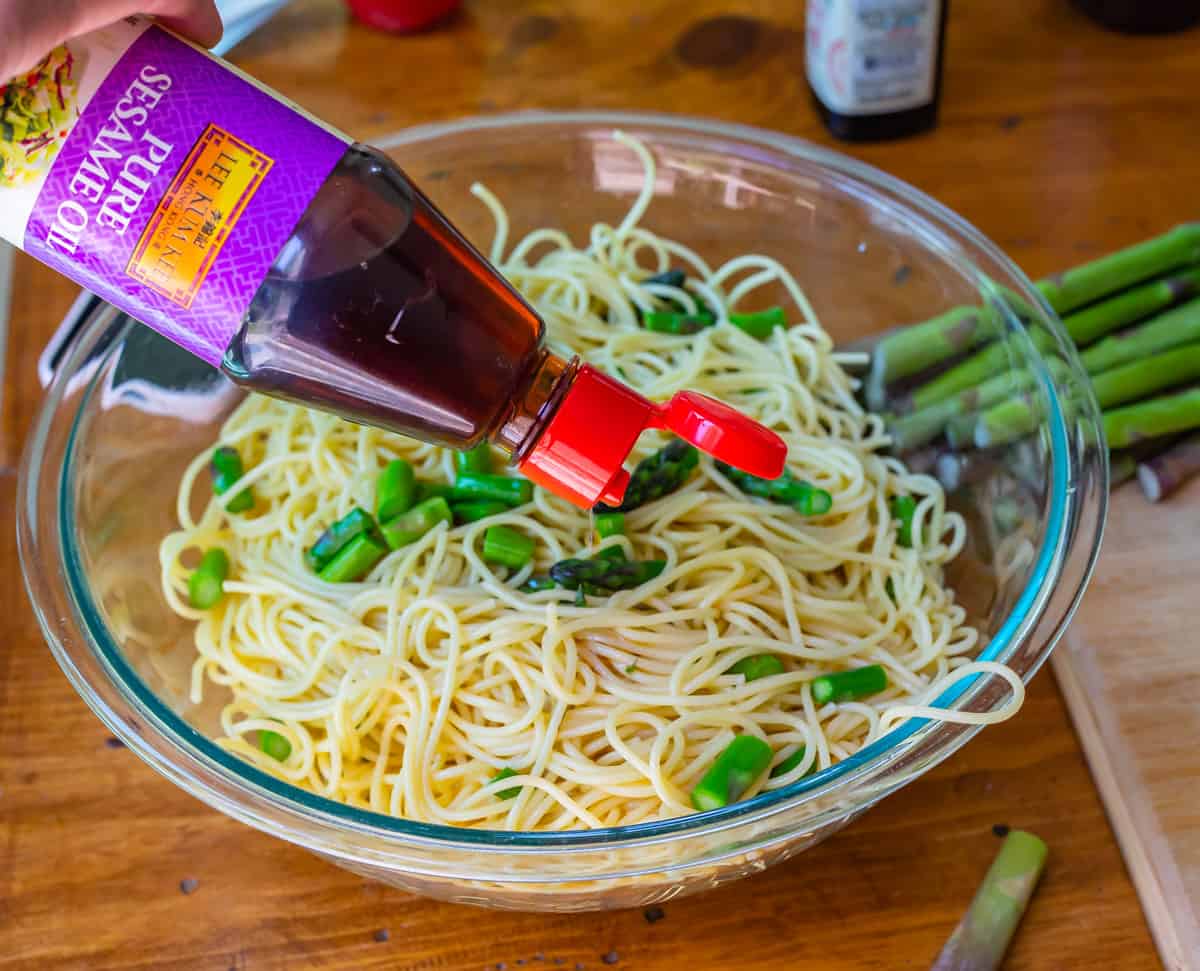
(157, 177)
(871, 57)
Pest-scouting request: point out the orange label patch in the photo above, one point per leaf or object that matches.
(196, 215)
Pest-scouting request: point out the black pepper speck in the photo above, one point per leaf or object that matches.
(383, 934)
(188, 885)
(113, 742)
(1001, 830)
(612, 957)
(653, 914)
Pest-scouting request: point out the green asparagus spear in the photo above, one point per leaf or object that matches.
(849, 685)
(971, 373)
(477, 459)
(412, 525)
(786, 766)
(610, 524)
(206, 584)
(1150, 419)
(1171, 329)
(903, 509)
(472, 512)
(916, 429)
(478, 487)
(429, 490)
(354, 560)
(735, 770)
(984, 933)
(760, 325)
(395, 491)
(912, 349)
(1140, 379)
(1006, 422)
(603, 575)
(507, 546)
(658, 475)
(337, 536)
(506, 773)
(806, 498)
(274, 744)
(1084, 284)
(1113, 313)
(226, 466)
(1160, 475)
(758, 666)
(673, 322)
(669, 278)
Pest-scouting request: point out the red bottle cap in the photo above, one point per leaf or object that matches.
(581, 453)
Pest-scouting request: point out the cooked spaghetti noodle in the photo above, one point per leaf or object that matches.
(408, 692)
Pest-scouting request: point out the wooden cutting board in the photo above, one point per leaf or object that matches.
(1129, 668)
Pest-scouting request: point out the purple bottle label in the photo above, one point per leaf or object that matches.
(157, 177)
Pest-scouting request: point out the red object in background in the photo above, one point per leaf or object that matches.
(402, 16)
(580, 453)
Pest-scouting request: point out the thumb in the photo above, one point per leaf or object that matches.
(195, 19)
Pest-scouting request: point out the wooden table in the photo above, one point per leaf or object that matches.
(1058, 140)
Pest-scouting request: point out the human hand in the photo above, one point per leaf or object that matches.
(33, 28)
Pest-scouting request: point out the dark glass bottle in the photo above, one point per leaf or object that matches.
(1142, 16)
(875, 66)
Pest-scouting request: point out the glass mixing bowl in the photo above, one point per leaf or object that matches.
(125, 411)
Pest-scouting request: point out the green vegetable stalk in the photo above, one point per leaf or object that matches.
(1091, 323)
(983, 935)
(758, 666)
(786, 766)
(507, 546)
(1087, 283)
(337, 536)
(226, 467)
(903, 509)
(1174, 328)
(477, 460)
(1142, 378)
(735, 770)
(658, 475)
(911, 350)
(806, 498)
(849, 685)
(506, 773)
(354, 560)
(274, 744)
(206, 584)
(601, 574)
(970, 374)
(418, 521)
(395, 491)
(477, 487)
(1151, 419)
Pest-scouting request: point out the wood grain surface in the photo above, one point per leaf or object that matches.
(1131, 677)
(1059, 140)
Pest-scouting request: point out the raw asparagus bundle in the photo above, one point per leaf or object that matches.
(1134, 314)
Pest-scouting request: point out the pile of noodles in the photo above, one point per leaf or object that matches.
(406, 693)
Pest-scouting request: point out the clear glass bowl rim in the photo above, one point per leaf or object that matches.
(324, 812)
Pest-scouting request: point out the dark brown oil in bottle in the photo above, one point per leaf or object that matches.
(379, 310)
